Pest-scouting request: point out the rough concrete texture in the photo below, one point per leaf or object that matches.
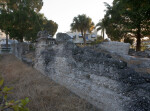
(141, 65)
(20, 49)
(117, 47)
(95, 76)
(141, 54)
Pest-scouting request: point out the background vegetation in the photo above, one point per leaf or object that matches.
(21, 20)
(82, 24)
(127, 19)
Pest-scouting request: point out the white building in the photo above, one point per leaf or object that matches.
(3, 47)
(2, 35)
(77, 37)
(10, 42)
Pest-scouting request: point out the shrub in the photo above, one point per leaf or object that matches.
(129, 40)
(5, 104)
(97, 41)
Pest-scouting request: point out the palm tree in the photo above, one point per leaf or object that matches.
(82, 24)
(101, 26)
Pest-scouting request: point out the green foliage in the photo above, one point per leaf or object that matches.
(18, 17)
(36, 26)
(25, 25)
(102, 26)
(5, 104)
(129, 40)
(128, 17)
(82, 24)
(12, 5)
(97, 41)
(51, 27)
(22, 21)
(144, 46)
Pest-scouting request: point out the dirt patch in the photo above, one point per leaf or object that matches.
(44, 94)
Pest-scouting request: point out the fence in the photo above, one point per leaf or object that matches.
(5, 49)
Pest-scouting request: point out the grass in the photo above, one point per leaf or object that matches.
(44, 94)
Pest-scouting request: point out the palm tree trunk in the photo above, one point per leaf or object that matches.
(21, 39)
(6, 40)
(103, 35)
(84, 39)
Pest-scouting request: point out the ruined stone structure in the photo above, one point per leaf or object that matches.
(141, 65)
(20, 49)
(116, 47)
(95, 76)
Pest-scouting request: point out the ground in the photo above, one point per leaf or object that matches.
(44, 94)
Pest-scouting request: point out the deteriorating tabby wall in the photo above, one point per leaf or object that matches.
(116, 47)
(95, 76)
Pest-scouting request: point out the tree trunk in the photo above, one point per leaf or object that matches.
(84, 39)
(103, 34)
(138, 41)
(6, 40)
(21, 39)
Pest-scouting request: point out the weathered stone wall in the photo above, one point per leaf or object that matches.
(141, 65)
(117, 47)
(20, 49)
(95, 76)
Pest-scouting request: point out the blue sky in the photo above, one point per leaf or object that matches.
(63, 11)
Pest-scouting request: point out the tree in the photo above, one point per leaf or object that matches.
(25, 25)
(82, 24)
(37, 20)
(51, 27)
(23, 15)
(12, 5)
(129, 17)
(114, 28)
(41, 23)
(5, 19)
(129, 40)
(102, 26)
